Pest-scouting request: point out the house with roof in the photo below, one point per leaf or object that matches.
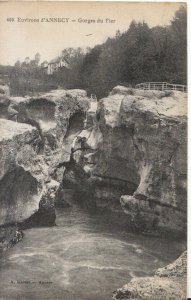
(55, 64)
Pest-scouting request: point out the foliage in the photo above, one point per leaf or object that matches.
(26, 79)
(140, 54)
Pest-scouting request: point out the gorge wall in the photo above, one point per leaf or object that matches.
(136, 152)
(128, 155)
(32, 141)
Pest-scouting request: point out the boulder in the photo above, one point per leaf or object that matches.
(20, 191)
(167, 283)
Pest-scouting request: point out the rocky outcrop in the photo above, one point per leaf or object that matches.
(135, 154)
(20, 189)
(32, 144)
(9, 236)
(24, 175)
(128, 154)
(51, 112)
(167, 283)
(159, 142)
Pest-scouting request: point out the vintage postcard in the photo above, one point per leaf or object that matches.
(93, 143)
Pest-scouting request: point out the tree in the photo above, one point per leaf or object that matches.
(137, 55)
(179, 38)
(18, 64)
(37, 58)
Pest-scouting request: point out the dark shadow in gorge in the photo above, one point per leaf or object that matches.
(81, 190)
(76, 124)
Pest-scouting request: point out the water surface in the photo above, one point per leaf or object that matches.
(84, 257)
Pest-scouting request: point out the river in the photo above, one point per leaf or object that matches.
(85, 257)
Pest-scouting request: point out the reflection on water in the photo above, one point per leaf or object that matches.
(84, 257)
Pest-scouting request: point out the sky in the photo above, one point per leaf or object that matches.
(20, 39)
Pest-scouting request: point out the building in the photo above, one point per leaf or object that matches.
(27, 60)
(58, 63)
(44, 66)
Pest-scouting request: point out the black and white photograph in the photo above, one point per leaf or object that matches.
(93, 150)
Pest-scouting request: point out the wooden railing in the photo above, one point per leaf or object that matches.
(161, 86)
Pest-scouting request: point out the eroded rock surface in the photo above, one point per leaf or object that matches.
(19, 187)
(167, 283)
(136, 152)
(33, 142)
(128, 154)
(9, 236)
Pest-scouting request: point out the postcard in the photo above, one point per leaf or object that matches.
(93, 143)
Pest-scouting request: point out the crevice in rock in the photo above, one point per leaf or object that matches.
(75, 124)
(131, 186)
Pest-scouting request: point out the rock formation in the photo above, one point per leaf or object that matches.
(128, 155)
(167, 283)
(31, 147)
(135, 154)
(19, 188)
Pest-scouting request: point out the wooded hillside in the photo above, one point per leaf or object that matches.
(137, 55)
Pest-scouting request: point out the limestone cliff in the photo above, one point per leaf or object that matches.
(135, 154)
(19, 188)
(35, 137)
(129, 153)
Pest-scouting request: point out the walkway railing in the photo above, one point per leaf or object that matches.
(161, 86)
